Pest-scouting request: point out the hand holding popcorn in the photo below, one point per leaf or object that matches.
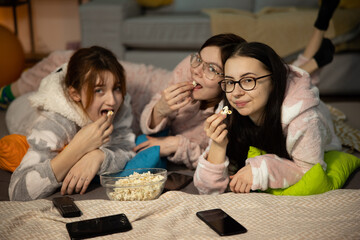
(226, 110)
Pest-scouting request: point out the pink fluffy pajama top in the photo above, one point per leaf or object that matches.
(186, 123)
(309, 133)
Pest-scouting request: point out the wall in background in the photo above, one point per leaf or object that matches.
(55, 22)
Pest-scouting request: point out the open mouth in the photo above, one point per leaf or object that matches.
(196, 85)
(108, 112)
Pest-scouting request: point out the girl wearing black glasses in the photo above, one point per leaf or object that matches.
(192, 95)
(274, 108)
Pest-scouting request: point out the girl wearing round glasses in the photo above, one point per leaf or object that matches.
(192, 96)
(274, 108)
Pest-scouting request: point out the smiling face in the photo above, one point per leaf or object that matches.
(248, 103)
(107, 96)
(205, 88)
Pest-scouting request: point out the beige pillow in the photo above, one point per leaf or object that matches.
(286, 30)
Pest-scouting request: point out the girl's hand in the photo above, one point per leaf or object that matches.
(216, 129)
(81, 174)
(168, 145)
(93, 135)
(173, 98)
(241, 182)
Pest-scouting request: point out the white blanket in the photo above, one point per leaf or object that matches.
(332, 215)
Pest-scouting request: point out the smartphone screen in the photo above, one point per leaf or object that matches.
(221, 222)
(177, 181)
(98, 226)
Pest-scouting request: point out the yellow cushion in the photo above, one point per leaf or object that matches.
(349, 4)
(154, 3)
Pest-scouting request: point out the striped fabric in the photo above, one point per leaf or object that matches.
(332, 215)
(349, 136)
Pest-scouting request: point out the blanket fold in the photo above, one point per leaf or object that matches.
(332, 215)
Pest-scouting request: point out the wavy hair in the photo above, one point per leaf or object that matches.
(87, 64)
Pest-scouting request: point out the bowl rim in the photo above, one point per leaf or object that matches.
(107, 176)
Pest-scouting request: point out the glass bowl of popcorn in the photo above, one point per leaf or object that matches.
(137, 184)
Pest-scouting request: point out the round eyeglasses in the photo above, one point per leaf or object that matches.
(246, 83)
(210, 70)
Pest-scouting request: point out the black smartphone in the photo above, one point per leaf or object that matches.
(177, 181)
(66, 207)
(221, 222)
(98, 226)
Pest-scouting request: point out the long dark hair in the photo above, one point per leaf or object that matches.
(242, 131)
(221, 41)
(87, 64)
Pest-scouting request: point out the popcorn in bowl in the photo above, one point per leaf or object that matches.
(226, 110)
(134, 184)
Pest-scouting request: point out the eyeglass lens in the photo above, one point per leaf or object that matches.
(209, 69)
(246, 83)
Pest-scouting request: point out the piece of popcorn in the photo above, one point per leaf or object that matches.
(226, 110)
(194, 83)
(110, 113)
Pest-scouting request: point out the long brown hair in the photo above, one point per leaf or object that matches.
(221, 41)
(242, 131)
(87, 64)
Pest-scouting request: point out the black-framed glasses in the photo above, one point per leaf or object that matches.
(211, 70)
(246, 83)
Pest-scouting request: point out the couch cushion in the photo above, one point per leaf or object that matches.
(286, 30)
(164, 59)
(191, 6)
(183, 31)
(260, 4)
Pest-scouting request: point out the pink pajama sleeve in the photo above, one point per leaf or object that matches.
(271, 171)
(211, 178)
(307, 136)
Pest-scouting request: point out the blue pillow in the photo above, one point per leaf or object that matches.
(150, 157)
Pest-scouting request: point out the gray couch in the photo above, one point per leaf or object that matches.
(163, 36)
(160, 36)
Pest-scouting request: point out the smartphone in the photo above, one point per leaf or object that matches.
(98, 226)
(66, 207)
(177, 181)
(221, 222)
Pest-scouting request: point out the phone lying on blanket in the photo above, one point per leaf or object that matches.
(66, 206)
(177, 181)
(98, 226)
(221, 222)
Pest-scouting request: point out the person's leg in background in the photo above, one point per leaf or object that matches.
(30, 79)
(319, 51)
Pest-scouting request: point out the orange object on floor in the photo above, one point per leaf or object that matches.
(12, 150)
(12, 57)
